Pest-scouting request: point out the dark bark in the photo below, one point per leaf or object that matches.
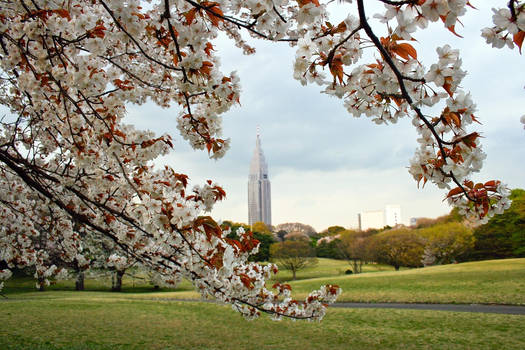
(42, 285)
(79, 283)
(117, 281)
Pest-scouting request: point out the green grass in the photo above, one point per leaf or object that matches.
(487, 282)
(101, 320)
(328, 268)
(142, 319)
(134, 283)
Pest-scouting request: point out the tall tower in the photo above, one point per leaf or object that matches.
(259, 192)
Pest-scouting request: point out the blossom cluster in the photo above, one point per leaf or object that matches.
(509, 26)
(397, 85)
(78, 186)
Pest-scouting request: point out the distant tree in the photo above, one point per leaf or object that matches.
(293, 255)
(453, 216)
(297, 236)
(397, 248)
(504, 235)
(328, 249)
(446, 243)
(119, 264)
(296, 227)
(281, 234)
(261, 227)
(352, 246)
(333, 230)
(265, 241)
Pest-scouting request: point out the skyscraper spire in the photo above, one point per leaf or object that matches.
(259, 191)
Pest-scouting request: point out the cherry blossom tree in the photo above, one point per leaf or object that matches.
(68, 162)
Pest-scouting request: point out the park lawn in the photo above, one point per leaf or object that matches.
(486, 282)
(136, 285)
(102, 320)
(327, 268)
(132, 283)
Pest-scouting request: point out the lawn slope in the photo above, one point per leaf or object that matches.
(486, 282)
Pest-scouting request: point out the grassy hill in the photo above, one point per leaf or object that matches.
(487, 282)
(95, 320)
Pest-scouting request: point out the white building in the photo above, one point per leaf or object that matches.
(378, 219)
(259, 191)
(371, 219)
(392, 215)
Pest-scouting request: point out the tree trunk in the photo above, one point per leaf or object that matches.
(396, 267)
(79, 283)
(117, 281)
(356, 265)
(293, 274)
(41, 284)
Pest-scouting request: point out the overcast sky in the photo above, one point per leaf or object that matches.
(326, 166)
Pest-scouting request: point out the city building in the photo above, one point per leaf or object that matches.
(378, 219)
(259, 190)
(371, 219)
(392, 215)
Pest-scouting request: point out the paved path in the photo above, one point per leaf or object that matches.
(492, 309)
(495, 309)
(482, 308)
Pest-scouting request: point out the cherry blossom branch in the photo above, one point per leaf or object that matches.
(512, 7)
(400, 2)
(237, 22)
(387, 57)
(137, 44)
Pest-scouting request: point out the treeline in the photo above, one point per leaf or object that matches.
(444, 240)
(442, 243)
(447, 239)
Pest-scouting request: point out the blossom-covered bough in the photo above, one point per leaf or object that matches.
(72, 170)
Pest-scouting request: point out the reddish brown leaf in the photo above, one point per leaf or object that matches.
(190, 16)
(206, 67)
(491, 183)
(405, 51)
(208, 49)
(470, 139)
(214, 12)
(447, 86)
(454, 192)
(305, 2)
(518, 39)
(336, 68)
(108, 218)
(453, 30)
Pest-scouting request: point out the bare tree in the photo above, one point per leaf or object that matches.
(293, 255)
